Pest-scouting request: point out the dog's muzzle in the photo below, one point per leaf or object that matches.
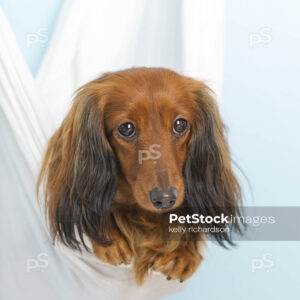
(163, 198)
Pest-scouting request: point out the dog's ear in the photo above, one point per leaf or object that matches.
(211, 186)
(80, 172)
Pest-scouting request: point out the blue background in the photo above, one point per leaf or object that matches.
(261, 107)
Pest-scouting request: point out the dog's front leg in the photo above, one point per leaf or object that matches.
(179, 264)
(117, 253)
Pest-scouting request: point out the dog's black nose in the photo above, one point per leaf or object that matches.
(163, 198)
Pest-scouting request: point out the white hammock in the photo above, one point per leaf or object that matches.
(91, 37)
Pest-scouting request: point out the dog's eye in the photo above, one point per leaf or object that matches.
(127, 130)
(180, 126)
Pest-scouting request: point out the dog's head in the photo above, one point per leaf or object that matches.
(143, 136)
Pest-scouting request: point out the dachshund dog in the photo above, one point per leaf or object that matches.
(136, 145)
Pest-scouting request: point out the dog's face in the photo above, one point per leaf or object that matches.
(149, 129)
(141, 136)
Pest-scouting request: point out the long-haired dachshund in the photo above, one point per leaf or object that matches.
(136, 145)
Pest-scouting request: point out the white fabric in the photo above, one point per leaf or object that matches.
(91, 37)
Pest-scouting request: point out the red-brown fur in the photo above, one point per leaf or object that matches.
(96, 184)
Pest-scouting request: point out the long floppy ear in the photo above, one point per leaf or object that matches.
(80, 173)
(211, 186)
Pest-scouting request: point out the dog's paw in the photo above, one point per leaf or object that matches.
(116, 254)
(179, 264)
